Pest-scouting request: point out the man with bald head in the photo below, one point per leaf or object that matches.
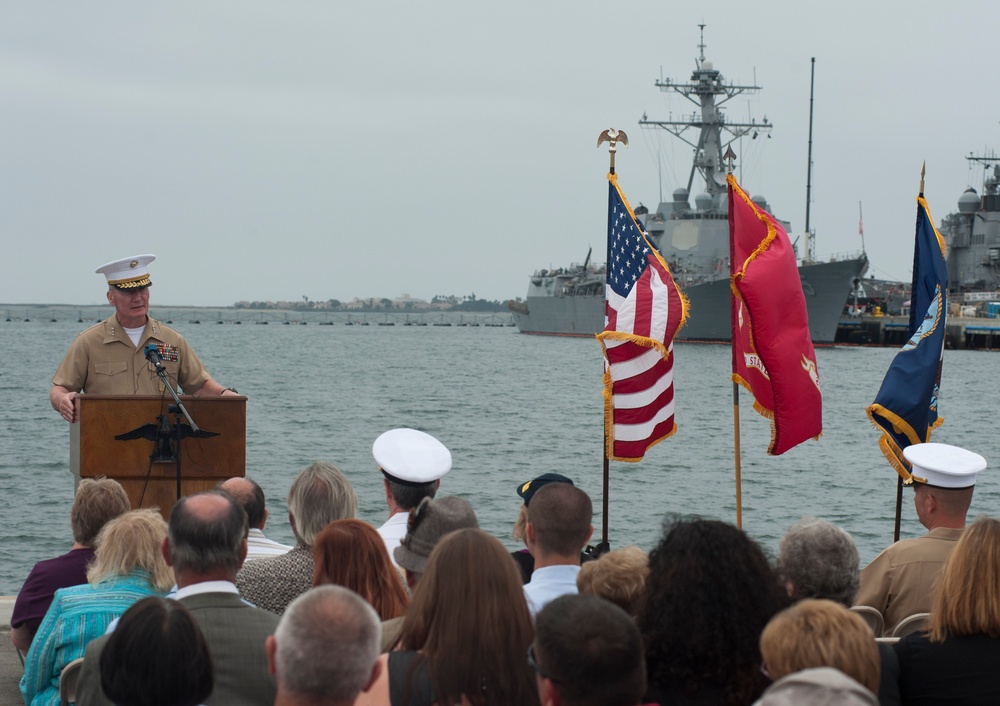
(206, 545)
(251, 497)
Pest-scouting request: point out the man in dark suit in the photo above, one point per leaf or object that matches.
(206, 546)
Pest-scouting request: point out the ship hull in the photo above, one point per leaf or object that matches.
(826, 287)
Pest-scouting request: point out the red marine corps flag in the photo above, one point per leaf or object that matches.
(773, 355)
(643, 310)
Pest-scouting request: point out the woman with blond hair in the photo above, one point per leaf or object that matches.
(465, 635)
(618, 576)
(352, 554)
(956, 660)
(817, 632)
(128, 565)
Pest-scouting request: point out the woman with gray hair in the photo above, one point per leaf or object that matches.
(817, 559)
(128, 566)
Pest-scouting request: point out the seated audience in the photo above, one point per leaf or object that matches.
(820, 633)
(618, 576)
(128, 565)
(97, 501)
(319, 495)
(466, 633)
(587, 652)
(351, 553)
(956, 660)
(709, 594)
(432, 520)
(557, 531)
(156, 656)
(325, 650)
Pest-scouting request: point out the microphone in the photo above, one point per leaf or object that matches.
(152, 354)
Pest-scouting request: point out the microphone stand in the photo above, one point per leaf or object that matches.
(177, 408)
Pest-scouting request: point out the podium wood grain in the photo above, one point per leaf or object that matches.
(205, 462)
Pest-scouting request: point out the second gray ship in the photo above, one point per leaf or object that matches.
(693, 240)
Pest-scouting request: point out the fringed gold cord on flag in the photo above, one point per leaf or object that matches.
(771, 232)
(890, 449)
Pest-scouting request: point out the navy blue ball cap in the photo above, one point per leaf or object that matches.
(527, 490)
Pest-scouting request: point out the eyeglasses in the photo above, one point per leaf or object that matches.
(533, 663)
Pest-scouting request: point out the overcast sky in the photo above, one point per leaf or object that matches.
(275, 150)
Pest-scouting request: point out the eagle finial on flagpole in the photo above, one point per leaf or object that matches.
(612, 137)
(729, 157)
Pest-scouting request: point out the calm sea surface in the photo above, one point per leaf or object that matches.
(509, 407)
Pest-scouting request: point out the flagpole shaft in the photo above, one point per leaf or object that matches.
(899, 507)
(736, 455)
(604, 505)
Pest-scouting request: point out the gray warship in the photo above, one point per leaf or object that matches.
(973, 238)
(693, 241)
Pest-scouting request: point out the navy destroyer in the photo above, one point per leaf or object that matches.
(693, 241)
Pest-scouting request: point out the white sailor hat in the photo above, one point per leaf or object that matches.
(943, 465)
(411, 457)
(129, 273)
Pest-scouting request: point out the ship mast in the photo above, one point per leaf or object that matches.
(708, 91)
(810, 246)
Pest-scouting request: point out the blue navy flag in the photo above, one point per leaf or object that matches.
(906, 407)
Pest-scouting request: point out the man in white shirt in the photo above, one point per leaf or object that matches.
(559, 527)
(412, 464)
(251, 497)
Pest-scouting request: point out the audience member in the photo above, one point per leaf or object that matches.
(412, 464)
(956, 660)
(97, 501)
(466, 632)
(709, 594)
(587, 652)
(900, 581)
(820, 633)
(128, 565)
(432, 520)
(251, 497)
(817, 559)
(325, 650)
(156, 656)
(319, 495)
(526, 491)
(206, 546)
(351, 553)
(618, 576)
(557, 531)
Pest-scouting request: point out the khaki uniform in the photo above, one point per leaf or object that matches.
(103, 361)
(902, 579)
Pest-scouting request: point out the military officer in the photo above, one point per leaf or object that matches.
(109, 359)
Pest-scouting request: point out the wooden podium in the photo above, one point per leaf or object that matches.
(205, 462)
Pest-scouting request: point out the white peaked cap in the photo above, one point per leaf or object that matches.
(128, 273)
(943, 465)
(411, 457)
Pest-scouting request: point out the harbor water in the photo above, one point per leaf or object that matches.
(509, 407)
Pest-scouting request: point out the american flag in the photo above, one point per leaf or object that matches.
(643, 310)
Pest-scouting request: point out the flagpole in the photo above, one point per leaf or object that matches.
(730, 156)
(612, 137)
